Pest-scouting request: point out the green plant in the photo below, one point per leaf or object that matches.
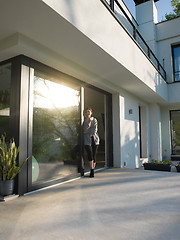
(8, 159)
(154, 161)
(165, 162)
(176, 10)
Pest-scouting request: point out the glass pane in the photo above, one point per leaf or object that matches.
(175, 126)
(56, 122)
(5, 84)
(176, 53)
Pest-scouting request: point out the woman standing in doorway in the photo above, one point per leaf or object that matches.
(91, 138)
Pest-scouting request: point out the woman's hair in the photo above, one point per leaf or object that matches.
(88, 108)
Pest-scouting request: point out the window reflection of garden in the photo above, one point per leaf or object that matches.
(55, 131)
(175, 125)
(52, 129)
(176, 138)
(5, 81)
(4, 111)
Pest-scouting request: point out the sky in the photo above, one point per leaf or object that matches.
(163, 7)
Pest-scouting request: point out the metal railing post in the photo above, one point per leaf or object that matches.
(134, 32)
(112, 5)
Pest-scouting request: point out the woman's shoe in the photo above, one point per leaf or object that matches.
(91, 173)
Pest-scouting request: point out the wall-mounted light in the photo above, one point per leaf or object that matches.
(130, 111)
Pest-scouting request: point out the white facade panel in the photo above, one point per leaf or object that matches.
(165, 57)
(174, 92)
(130, 148)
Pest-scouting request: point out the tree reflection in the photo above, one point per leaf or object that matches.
(55, 129)
(4, 111)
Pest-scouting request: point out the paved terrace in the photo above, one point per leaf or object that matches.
(122, 204)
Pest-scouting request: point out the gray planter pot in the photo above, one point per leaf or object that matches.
(157, 167)
(178, 168)
(6, 187)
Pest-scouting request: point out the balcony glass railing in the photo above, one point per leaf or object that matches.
(177, 76)
(123, 17)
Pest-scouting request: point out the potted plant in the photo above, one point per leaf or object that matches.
(178, 167)
(158, 165)
(8, 165)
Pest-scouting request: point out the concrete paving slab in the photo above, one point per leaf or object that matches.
(122, 204)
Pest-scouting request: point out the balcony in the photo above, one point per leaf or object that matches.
(83, 39)
(126, 20)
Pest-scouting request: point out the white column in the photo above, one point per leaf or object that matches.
(144, 137)
(155, 124)
(116, 130)
(146, 16)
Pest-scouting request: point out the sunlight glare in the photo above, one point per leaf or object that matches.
(48, 94)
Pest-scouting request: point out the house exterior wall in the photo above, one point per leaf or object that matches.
(161, 37)
(130, 149)
(82, 39)
(127, 130)
(168, 34)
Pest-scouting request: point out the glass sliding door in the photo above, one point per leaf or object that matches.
(175, 131)
(56, 127)
(5, 87)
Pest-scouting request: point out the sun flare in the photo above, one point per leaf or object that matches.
(48, 94)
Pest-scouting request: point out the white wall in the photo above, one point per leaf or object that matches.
(174, 93)
(129, 131)
(126, 145)
(168, 34)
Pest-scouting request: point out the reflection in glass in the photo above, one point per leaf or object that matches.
(176, 59)
(175, 134)
(56, 121)
(5, 84)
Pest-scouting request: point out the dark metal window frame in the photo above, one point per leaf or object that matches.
(22, 116)
(16, 119)
(172, 49)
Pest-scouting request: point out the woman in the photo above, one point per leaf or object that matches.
(91, 138)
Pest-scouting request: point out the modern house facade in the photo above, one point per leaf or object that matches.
(59, 57)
